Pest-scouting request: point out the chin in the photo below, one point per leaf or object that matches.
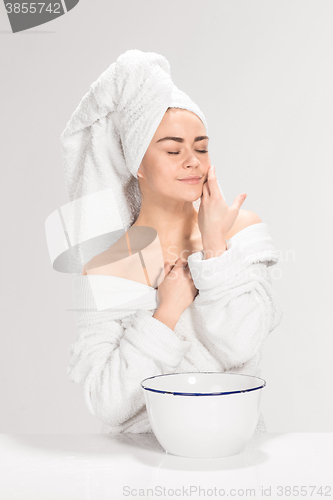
(191, 199)
(190, 191)
(187, 195)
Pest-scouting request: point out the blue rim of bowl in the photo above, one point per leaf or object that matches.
(202, 393)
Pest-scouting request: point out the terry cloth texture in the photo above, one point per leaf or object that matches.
(119, 343)
(222, 330)
(104, 143)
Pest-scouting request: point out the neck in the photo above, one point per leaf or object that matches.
(174, 223)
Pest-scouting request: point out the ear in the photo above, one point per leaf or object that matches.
(139, 173)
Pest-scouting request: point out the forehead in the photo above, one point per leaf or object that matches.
(177, 120)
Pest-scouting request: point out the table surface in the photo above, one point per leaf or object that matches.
(112, 467)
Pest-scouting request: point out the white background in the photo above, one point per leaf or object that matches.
(261, 71)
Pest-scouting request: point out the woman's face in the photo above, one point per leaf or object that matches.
(168, 160)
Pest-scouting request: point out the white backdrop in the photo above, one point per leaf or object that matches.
(261, 71)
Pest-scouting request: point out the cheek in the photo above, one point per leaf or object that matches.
(163, 173)
(158, 178)
(163, 181)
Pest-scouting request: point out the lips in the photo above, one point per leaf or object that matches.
(194, 177)
(191, 179)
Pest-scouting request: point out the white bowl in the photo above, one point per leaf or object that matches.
(205, 414)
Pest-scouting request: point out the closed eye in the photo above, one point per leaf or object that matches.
(177, 153)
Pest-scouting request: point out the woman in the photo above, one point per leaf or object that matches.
(178, 150)
(199, 296)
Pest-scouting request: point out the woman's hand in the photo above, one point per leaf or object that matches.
(177, 291)
(215, 217)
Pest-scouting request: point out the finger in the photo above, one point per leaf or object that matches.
(167, 268)
(238, 201)
(173, 273)
(212, 182)
(205, 190)
(180, 261)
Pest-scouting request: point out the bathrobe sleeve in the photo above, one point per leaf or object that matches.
(237, 307)
(110, 357)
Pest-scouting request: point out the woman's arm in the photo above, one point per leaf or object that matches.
(237, 306)
(234, 322)
(166, 316)
(111, 360)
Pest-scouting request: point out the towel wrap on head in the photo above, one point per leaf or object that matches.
(120, 342)
(104, 143)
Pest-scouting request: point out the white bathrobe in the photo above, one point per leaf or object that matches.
(223, 329)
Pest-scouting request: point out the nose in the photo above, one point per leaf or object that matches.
(192, 161)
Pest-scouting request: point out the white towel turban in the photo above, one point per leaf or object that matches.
(103, 145)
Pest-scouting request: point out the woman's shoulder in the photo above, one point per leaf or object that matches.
(245, 218)
(122, 266)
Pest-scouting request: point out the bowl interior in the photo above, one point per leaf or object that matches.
(202, 383)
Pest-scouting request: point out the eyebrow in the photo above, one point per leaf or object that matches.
(180, 139)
